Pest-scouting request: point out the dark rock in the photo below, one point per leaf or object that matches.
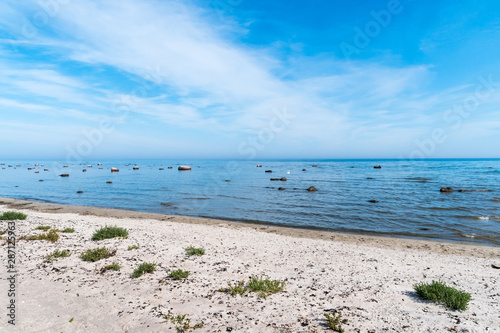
(79, 192)
(169, 167)
(281, 188)
(274, 179)
(109, 182)
(283, 179)
(315, 166)
(312, 189)
(373, 201)
(135, 168)
(41, 180)
(269, 171)
(64, 175)
(304, 170)
(84, 170)
(377, 167)
(259, 166)
(115, 169)
(228, 180)
(369, 178)
(184, 168)
(45, 169)
(446, 189)
(161, 169)
(495, 266)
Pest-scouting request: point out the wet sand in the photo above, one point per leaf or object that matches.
(368, 278)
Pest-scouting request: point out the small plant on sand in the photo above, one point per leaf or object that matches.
(3, 232)
(335, 321)
(51, 236)
(99, 253)
(178, 274)
(239, 288)
(11, 216)
(182, 323)
(43, 227)
(193, 251)
(145, 267)
(109, 232)
(439, 292)
(58, 254)
(112, 267)
(133, 247)
(264, 287)
(68, 230)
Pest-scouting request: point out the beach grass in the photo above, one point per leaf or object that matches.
(68, 230)
(182, 322)
(145, 267)
(193, 251)
(178, 274)
(263, 286)
(113, 267)
(439, 292)
(97, 254)
(11, 216)
(109, 232)
(133, 247)
(58, 254)
(335, 322)
(51, 236)
(43, 227)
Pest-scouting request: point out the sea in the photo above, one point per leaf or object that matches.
(400, 199)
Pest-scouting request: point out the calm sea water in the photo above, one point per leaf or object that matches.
(409, 201)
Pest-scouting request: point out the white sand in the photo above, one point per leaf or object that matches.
(370, 279)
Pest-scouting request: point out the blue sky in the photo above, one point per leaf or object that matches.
(249, 79)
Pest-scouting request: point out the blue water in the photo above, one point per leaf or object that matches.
(409, 201)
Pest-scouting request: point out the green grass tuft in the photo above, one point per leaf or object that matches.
(264, 287)
(51, 236)
(43, 227)
(178, 274)
(97, 254)
(239, 288)
(182, 323)
(439, 292)
(335, 322)
(58, 254)
(11, 216)
(109, 232)
(68, 230)
(193, 251)
(133, 247)
(112, 267)
(145, 267)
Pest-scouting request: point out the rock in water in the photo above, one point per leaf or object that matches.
(377, 167)
(312, 189)
(184, 168)
(115, 169)
(64, 175)
(446, 189)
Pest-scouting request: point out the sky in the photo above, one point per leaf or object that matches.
(241, 79)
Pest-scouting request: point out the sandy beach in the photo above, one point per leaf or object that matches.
(369, 279)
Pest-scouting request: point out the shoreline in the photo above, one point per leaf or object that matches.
(437, 246)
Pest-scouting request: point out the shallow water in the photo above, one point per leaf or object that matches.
(409, 202)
